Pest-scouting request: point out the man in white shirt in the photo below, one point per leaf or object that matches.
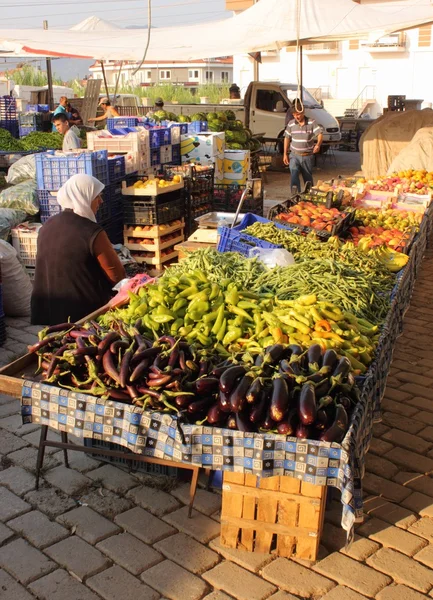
(70, 140)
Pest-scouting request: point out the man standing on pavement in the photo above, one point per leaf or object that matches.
(305, 138)
(70, 140)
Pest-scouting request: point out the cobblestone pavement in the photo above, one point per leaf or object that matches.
(97, 532)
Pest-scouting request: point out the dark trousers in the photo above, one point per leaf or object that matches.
(301, 165)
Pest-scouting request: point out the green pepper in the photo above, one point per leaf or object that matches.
(219, 320)
(245, 304)
(232, 335)
(185, 330)
(193, 289)
(222, 331)
(211, 316)
(198, 274)
(215, 290)
(232, 296)
(163, 310)
(180, 303)
(162, 318)
(157, 295)
(240, 312)
(200, 309)
(175, 326)
(142, 310)
(204, 341)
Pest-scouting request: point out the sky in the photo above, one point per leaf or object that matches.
(124, 13)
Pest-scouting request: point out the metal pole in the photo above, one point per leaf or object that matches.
(301, 74)
(117, 80)
(105, 79)
(49, 78)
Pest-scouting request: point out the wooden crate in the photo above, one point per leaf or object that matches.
(283, 514)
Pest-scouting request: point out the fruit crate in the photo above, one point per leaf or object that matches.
(48, 205)
(227, 198)
(25, 241)
(330, 199)
(197, 126)
(116, 168)
(8, 108)
(132, 145)
(157, 259)
(31, 119)
(152, 190)
(234, 241)
(12, 126)
(158, 244)
(152, 212)
(38, 108)
(154, 231)
(52, 170)
(122, 122)
(279, 514)
(23, 131)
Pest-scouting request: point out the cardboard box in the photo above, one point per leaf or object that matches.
(236, 166)
(202, 146)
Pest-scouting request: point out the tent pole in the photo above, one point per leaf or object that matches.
(105, 79)
(117, 80)
(49, 78)
(301, 73)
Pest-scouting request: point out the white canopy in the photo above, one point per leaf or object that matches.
(268, 24)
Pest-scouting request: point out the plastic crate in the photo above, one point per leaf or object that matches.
(175, 154)
(41, 108)
(116, 168)
(25, 242)
(120, 122)
(23, 131)
(235, 241)
(114, 231)
(159, 136)
(112, 205)
(8, 108)
(11, 126)
(30, 120)
(52, 171)
(227, 198)
(48, 205)
(154, 157)
(151, 212)
(197, 126)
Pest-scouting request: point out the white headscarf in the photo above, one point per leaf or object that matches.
(78, 194)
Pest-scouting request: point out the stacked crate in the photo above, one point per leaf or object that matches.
(8, 115)
(132, 145)
(226, 197)
(25, 242)
(29, 122)
(154, 224)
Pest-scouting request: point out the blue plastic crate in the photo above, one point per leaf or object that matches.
(197, 126)
(53, 171)
(116, 168)
(8, 108)
(42, 108)
(235, 241)
(155, 157)
(23, 131)
(30, 120)
(159, 136)
(175, 155)
(11, 126)
(48, 205)
(121, 122)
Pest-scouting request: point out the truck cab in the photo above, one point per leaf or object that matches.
(267, 104)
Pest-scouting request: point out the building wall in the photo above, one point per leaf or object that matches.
(345, 73)
(178, 74)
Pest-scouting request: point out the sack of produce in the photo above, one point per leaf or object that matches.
(22, 197)
(9, 219)
(17, 287)
(22, 170)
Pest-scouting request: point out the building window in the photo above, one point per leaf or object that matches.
(165, 74)
(224, 76)
(270, 101)
(148, 74)
(424, 36)
(193, 74)
(208, 76)
(353, 44)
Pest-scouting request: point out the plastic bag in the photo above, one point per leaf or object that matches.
(273, 257)
(16, 284)
(129, 285)
(22, 170)
(22, 196)
(9, 219)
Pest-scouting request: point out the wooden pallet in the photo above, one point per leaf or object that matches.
(282, 514)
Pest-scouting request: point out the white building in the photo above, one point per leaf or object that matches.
(350, 72)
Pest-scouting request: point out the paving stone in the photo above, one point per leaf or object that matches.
(17, 480)
(425, 417)
(410, 460)
(24, 562)
(334, 539)
(352, 574)
(105, 502)
(68, 480)
(14, 424)
(174, 582)
(11, 408)
(82, 462)
(391, 513)
(77, 556)
(238, 582)
(342, 593)
(379, 447)
(88, 524)
(406, 440)
(26, 458)
(417, 482)
(10, 442)
(143, 525)
(419, 503)
(61, 586)
(427, 433)
(279, 596)
(156, 501)
(200, 527)
(392, 537)
(399, 592)
(131, 554)
(5, 534)
(34, 329)
(115, 583)
(422, 403)
(373, 484)
(379, 429)
(188, 553)
(11, 505)
(11, 589)
(424, 528)
(38, 529)
(402, 569)
(218, 595)
(380, 466)
(204, 501)
(296, 579)
(409, 425)
(416, 390)
(114, 479)
(253, 561)
(396, 395)
(425, 556)
(34, 437)
(414, 378)
(51, 501)
(5, 399)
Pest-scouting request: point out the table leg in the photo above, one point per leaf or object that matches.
(41, 453)
(64, 437)
(192, 490)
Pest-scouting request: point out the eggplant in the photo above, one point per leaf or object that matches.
(167, 339)
(238, 393)
(279, 399)
(124, 368)
(229, 377)
(343, 368)
(255, 391)
(59, 327)
(268, 423)
(118, 394)
(304, 431)
(338, 429)
(204, 368)
(231, 422)
(307, 404)
(314, 356)
(148, 353)
(243, 423)
(215, 414)
(322, 388)
(174, 357)
(330, 359)
(182, 360)
(224, 402)
(295, 350)
(200, 405)
(109, 366)
(259, 360)
(207, 385)
(219, 370)
(183, 401)
(289, 425)
(346, 402)
(258, 411)
(159, 382)
(119, 345)
(139, 370)
(85, 350)
(274, 353)
(146, 391)
(132, 391)
(325, 401)
(322, 420)
(285, 367)
(106, 342)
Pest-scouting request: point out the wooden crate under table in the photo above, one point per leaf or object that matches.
(282, 514)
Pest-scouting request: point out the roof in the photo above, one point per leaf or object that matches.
(226, 60)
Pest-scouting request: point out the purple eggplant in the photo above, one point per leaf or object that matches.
(118, 394)
(279, 399)
(243, 423)
(106, 342)
(268, 422)
(322, 388)
(289, 425)
(215, 414)
(258, 411)
(274, 353)
(255, 391)
(337, 431)
(330, 359)
(238, 393)
(148, 353)
(343, 368)
(231, 422)
(304, 432)
(224, 402)
(119, 345)
(109, 366)
(159, 381)
(207, 385)
(307, 404)
(322, 420)
(124, 367)
(199, 405)
(285, 367)
(228, 378)
(139, 370)
(314, 357)
(183, 401)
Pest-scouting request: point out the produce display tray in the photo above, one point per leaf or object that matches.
(151, 189)
(143, 212)
(155, 231)
(156, 260)
(157, 246)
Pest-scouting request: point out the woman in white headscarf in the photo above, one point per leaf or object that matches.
(76, 265)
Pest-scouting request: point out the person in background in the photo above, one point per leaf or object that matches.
(76, 265)
(109, 111)
(158, 105)
(75, 118)
(70, 140)
(304, 136)
(61, 109)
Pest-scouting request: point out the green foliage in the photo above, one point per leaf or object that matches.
(8, 143)
(30, 75)
(178, 93)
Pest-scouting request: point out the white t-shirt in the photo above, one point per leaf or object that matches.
(71, 141)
